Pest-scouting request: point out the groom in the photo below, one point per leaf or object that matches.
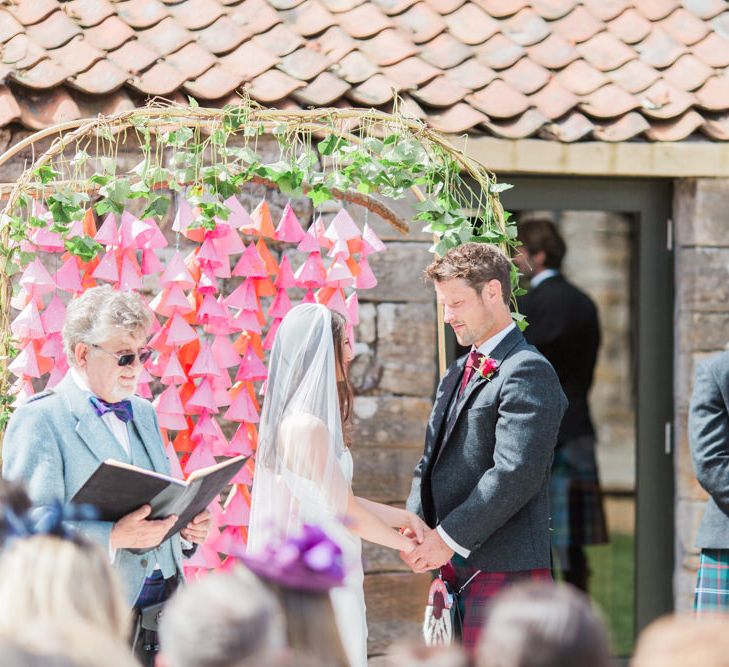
(482, 482)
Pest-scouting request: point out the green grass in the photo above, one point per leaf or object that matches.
(612, 587)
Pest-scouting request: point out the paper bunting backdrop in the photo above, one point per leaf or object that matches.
(210, 346)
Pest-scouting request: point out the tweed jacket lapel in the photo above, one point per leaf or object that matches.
(151, 439)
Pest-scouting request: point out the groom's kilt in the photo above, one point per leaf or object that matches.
(712, 581)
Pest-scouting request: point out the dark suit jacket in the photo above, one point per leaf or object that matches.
(564, 327)
(709, 439)
(484, 473)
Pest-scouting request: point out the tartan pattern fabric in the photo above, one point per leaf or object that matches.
(475, 599)
(712, 581)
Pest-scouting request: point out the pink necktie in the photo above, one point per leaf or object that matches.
(473, 361)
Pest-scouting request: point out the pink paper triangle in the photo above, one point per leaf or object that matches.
(280, 305)
(366, 279)
(238, 218)
(151, 263)
(205, 364)
(57, 373)
(243, 476)
(237, 511)
(285, 278)
(250, 264)
(336, 302)
(202, 398)
(339, 274)
(372, 240)
(173, 372)
(244, 297)
(228, 542)
(53, 316)
(209, 254)
(171, 422)
(229, 243)
(201, 457)
(242, 409)
(212, 310)
(309, 242)
(179, 331)
(225, 354)
(175, 468)
(176, 272)
(342, 228)
(204, 428)
(68, 277)
(289, 229)
(353, 308)
(130, 278)
(108, 268)
(271, 335)
(108, 233)
(251, 368)
(309, 297)
(156, 239)
(183, 217)
(134, 233)
(25, 364)
(28, 323)
(339, 248)
(241, 443)
(52, 347)
(171, 300)
(46, 240)
(36, 280)
(311, 273)
(247, 320)
(168, 402)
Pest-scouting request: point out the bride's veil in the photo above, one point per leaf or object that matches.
(298, 477)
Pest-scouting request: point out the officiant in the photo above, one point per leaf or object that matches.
(57, 439)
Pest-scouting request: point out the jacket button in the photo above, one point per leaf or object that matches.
(144, 562)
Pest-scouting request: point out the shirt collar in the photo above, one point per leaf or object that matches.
(79, 380)
(542, 276)
(490, 345)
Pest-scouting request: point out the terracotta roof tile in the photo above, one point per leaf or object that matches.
(608, 102)
(606, 52)
(472, 25)
(624, 128)
(502, 8)
(444, 7)
(606, 9)
(222, 36)
(554, 101)
(213, 84)
(525, 28)
(160, 79)
(376, 91)
(573, 127)
(578, 26)
(662, 100)
(440, 93)
(193, 60)
(304, 64)
(310, 18)
(256, 16)
(77, 56)
(197, 14)
(141, 14)
(675, 129)
(322, 91)
(392, 7)
(355, 68)
(286, 4)
(659, 49)
(334, 43)
(705, 9)
(91, 105)
(53, 31)
(9, 107)
(713, 95)
(388, 48)
(88, 13)
(412, 72)
(685, 27)
(408, 107)
(688, 73)
(499, 52)
(458, 118)
(29, 12)
(280, 40)
(525, 125)
(110, 34)
(100, 79)
(272, 86)
(581, 78)
(655, 10)
(364, 21)
(471, 74)
(630, 26)
(46, 74)
(713, 50)
(634, 77)
(9, 26)
(41, 110)
(22, 53)
(721, 25)
(716, 126)
(553, 9)
(133, 56)
(421, 23)
(499, 100)
(247, 61)
(526, 76)
(554, 52)
(336, 6)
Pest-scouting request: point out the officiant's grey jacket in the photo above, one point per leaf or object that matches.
(709, 439)
(56, 441)
(484, 474)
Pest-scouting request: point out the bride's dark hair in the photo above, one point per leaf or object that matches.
(344, 387)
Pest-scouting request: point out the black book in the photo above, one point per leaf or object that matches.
(117, 488)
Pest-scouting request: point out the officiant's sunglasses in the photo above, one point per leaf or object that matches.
(127, 359)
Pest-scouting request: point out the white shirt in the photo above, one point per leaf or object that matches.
(542, 276)
(485, 348)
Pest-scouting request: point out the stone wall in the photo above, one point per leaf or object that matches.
(701, 222)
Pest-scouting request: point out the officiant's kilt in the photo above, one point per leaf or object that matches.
(712, 581)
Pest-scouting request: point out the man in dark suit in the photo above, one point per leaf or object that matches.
(481, 484)
(709, 439)
(564, 327)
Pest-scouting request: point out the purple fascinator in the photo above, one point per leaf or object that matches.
(308, 561)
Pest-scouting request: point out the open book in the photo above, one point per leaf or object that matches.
(117, 488)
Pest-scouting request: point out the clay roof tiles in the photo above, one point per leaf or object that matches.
(560, 70)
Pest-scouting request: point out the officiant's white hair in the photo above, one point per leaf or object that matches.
(93, 316)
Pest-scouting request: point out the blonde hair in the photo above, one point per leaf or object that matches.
(49, 579)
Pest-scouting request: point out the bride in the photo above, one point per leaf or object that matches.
(304, 467)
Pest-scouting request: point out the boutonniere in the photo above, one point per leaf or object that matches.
(487, 367)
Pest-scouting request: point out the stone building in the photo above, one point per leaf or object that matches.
(608, 116)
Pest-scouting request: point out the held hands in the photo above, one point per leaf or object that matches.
(413, 529)
(430, 554)
(135, 531)
(197, 530)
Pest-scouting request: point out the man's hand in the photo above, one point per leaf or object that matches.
(431, 554)
(413, 527)
(197, 530)
(135, 531)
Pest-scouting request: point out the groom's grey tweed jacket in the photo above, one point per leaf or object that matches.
(484, 475)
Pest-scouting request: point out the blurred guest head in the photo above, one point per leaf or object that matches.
(541, 248)
(682, 640)
(224, 619)
(418, 655)
(14, 502)
(539, 624)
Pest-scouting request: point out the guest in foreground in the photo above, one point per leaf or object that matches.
(538, 624)
(483, 480)
(709, 441)
(59, 437)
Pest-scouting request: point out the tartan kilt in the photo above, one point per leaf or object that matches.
(577, 516)
(712, 581)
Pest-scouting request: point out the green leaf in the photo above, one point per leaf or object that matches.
(192, 101)
(319, 194)
(83, 247)
(47, 174)
(158, 206)
(331, 144)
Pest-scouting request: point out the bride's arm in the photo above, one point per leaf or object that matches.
(372, 528)
(394, 516)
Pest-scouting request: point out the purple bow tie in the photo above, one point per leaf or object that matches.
(122, 409)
